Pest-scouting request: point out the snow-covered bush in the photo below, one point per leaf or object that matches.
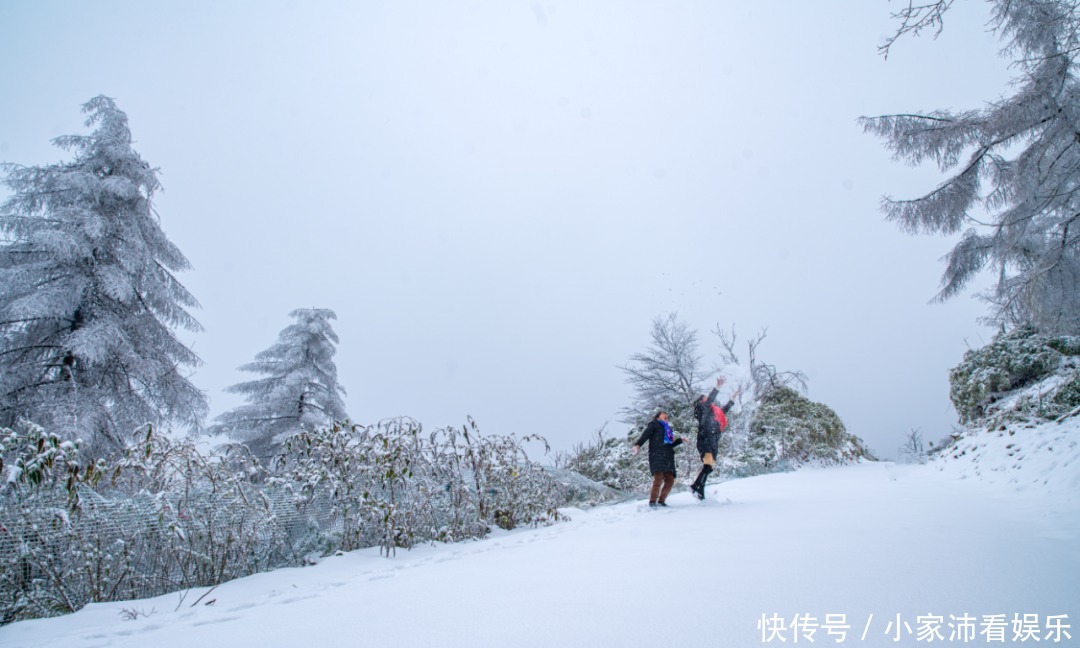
(215, 521)
(159, 517)
(1065, 398)
(1024, 391)
(1013, 361)
(391, 485)
(788, 430)
(162, 515)
(30, 455)
(607, 459)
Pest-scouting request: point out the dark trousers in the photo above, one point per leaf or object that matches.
(661, 486)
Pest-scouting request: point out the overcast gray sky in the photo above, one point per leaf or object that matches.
(497, 197)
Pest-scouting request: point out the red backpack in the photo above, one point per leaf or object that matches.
(721, 418)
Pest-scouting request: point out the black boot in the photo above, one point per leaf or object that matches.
(699, 484)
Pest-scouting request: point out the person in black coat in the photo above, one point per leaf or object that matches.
(711, 422)
(662, 444)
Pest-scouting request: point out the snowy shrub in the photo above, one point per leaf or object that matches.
(509, 488)
(1012, 361)
(788, 430)
(1065, 398)
(162, 516)
(607, 460)
(41, 490)
(159, 517)
(40, 459)
(390, 485)
(215, 522)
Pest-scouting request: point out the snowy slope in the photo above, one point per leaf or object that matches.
(869, 542)
(1035, 457)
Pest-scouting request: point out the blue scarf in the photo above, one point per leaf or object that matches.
(669, 436)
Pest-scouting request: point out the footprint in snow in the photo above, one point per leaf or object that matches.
(381, 576)
(213, 621)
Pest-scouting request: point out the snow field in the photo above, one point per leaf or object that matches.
(874, 539)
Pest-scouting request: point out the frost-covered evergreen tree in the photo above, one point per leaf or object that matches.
(88, 300)
(1017, 160)
(300, 390)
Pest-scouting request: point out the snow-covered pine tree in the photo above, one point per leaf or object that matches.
(1017, 159)
(300, 390)
(88, 301)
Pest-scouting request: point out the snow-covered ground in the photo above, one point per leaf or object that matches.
(864, 546)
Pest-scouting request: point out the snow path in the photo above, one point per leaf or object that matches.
(876, 538)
